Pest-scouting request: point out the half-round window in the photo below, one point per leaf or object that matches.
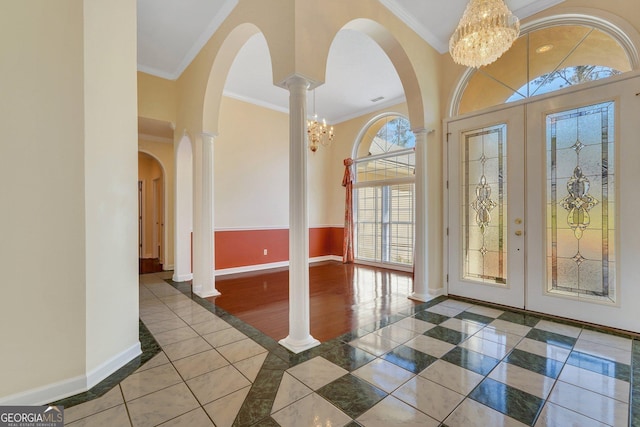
(543, 61)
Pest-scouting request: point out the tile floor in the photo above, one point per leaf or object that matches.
(442, 363)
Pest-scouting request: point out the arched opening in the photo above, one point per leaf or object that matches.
(151, 213)
(183, 210)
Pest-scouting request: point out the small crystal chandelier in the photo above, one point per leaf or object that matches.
(318, 132)
(486, 30)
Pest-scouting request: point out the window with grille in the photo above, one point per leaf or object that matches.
(384, 193)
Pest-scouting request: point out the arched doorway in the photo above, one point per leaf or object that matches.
(151, 202)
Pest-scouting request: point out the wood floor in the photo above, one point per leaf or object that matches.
(343, 297)
(149, 265)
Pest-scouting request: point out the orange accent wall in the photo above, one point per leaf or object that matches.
(242, 248)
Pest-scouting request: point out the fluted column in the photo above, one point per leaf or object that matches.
(203, 247)
(299, 338)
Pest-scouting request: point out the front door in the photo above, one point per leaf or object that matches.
(574, 251)
(486, 207)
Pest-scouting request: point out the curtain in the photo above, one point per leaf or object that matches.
(347, 183)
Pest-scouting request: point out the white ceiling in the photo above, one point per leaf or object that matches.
(172, 32)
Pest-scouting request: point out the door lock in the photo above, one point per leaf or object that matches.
(518, 232)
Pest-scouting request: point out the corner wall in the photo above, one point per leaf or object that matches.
(68, 164)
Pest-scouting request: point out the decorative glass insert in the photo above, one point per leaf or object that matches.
(580, 202)
(484, 201)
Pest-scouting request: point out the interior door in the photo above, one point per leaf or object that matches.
(583, 236)
(486, 207)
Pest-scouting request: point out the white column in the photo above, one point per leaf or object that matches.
(299, 338)
(423, 288)
(203, 248)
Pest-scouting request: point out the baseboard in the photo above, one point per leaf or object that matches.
(182, 277)
(167, 267)
(248, 268)
(268, 266)
(325, 258)
(69, 387)
(110, 366)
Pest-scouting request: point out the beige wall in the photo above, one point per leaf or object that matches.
(68, 220)
(42, 171)
(251, 166)
(157, 97)
(110, 177)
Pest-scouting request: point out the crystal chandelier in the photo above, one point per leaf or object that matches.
(318, 132)
(486, 30)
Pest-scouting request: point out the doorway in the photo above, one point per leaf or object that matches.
(151, 213)
(534, 208)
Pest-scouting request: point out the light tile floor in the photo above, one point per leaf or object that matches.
(442, 363)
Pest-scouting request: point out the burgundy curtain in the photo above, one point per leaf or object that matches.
(347, 183)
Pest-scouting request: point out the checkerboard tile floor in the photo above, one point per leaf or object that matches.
(442, 363)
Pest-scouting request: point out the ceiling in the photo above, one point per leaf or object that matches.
(172, 32)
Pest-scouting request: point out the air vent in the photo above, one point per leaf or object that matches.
(380, 98)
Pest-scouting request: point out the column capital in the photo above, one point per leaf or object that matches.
(209, 135)
(422, 131)
(298, 80)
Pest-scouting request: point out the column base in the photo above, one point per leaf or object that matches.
(298, 346)
(182, 277)
(202, 293)
(431, 294)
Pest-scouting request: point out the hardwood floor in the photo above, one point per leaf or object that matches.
(343, 297)
(149, 265)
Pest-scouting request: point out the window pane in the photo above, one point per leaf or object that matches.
(484, 204)
(580, 206)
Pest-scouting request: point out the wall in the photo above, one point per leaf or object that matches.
(42, 171)
(110, 190)
(157, 97)
(68, 218)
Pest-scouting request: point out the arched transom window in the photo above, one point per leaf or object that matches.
(384, 192)
(545, 60)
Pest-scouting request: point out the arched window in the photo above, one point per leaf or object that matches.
(544, 60)
(384, 192)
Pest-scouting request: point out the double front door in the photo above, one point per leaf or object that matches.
(544, 205)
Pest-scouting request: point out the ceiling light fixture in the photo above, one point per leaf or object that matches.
(486, 30)
(318, 132)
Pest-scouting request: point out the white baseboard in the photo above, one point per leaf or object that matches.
(71, 386)
(248, 268)
(258, 267)
(167, 267)
(110, 366)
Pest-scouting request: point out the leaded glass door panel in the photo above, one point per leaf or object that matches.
(486, 207)
(583, 204)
